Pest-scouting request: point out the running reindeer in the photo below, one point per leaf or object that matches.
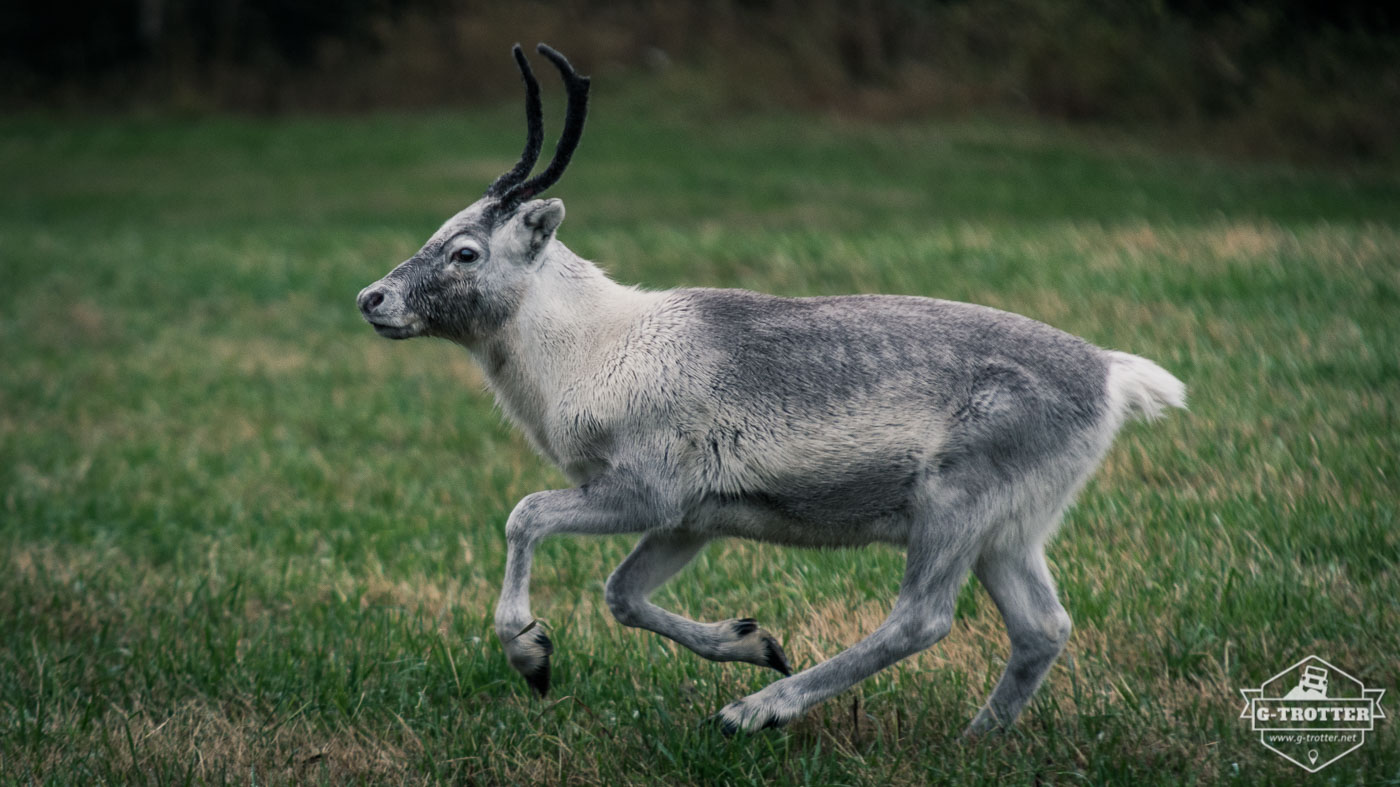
(956, 431)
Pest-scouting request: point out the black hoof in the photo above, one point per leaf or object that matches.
(538, 677)
(775, 657)
(539, 680)
(726, 727)
(730, 728)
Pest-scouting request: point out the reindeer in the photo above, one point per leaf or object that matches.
(956, 431)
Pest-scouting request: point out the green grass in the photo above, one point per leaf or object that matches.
(244, 540)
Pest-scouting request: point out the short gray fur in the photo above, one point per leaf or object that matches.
(956, 431)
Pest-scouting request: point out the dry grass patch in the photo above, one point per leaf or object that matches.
(217, 742)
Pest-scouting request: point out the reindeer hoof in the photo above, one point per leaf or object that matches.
(529, 654)
(774, 656)
(983, 726)
(727, 727)
(539, 678)
(745, 716)
(757, 646)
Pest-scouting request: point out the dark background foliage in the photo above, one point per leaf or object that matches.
(1316, 78)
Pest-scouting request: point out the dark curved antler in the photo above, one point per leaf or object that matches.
(534, 134)
(577, 87)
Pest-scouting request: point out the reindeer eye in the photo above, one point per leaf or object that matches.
(465, 254)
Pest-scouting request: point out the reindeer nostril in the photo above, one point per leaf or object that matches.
(371, 301)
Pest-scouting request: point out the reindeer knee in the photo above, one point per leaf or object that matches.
(916, 634)
(934, 629)
(1056, 629)
(623, 603)
(1043, 638)
(523, 524)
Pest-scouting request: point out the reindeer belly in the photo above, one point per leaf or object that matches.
(829, 517)
(837, 489)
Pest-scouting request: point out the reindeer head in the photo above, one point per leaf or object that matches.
(469, 277)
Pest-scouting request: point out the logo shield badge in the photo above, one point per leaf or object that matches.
(1312, 714)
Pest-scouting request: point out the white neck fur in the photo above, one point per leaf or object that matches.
(569, 317)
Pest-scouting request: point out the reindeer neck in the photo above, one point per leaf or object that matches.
(571, 315)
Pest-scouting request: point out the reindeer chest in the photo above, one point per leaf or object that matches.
(582, 440)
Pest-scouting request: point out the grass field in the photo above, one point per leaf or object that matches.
(244, 540)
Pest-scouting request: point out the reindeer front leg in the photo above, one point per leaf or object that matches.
(598, 508)
(527, 646)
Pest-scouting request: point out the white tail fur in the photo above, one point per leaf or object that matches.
(1137, 386)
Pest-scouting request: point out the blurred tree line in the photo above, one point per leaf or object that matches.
(1320, 76)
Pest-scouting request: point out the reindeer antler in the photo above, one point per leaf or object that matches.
(534, 134)
(577, 87)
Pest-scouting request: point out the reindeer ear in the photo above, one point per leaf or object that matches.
(541, 219)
